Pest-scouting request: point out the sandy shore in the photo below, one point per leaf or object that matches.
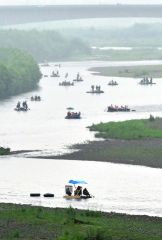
(135, 152)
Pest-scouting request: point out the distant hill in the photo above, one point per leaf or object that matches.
(26, 14)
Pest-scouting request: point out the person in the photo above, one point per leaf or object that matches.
(68, 191)
(78, 76)
(85, 192)
(92, 88)
(78, 191)
(150, 80)
(18, 105)
(25, 106)
(69, 114)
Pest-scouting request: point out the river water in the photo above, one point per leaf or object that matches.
(121, 188)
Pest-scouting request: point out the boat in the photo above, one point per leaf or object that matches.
(48, 195)
(45, 64)
(73, 115)
(75, 189)
(112, 83)
(146, 81)
(95, 90)
(35, 98)
(55, 74)
(34, 194)
(57, 65)
(78, 78)
(115, 108)
(66, 83)
(21, 109)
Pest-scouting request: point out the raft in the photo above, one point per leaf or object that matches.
(73, 117)
(97, 92)
(78, 80)
(113, 84)
(111, 109)
(77, 197)
(64, 83)
(145, 83)
(72, 197)
(21, 109)
(55, 75)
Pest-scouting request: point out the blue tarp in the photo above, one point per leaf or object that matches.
(77, 182)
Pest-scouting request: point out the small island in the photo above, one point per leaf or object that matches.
(154, 71)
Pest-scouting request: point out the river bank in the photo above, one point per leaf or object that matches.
(27, 222)
(136, 142)
(135, 152)
(154, 71)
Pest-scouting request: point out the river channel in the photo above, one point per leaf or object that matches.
(44, 129)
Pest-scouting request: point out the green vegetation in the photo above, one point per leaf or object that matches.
(4, 151)
(129, 71)
(26, 222)
(131, 129)
(127, 55)
(18, 72)
(74, 43)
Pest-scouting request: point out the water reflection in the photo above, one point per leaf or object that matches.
(117, 187)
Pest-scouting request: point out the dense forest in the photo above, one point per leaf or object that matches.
(44, 45)
(18, 72)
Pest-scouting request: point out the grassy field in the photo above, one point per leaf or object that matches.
(131, 129)
(4, 151)
(135, 71)
(26, 222)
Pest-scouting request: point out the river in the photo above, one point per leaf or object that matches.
(121, 188)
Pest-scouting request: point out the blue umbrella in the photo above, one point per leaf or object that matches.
(77, 182)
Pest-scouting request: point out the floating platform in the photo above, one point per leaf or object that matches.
(21, 109)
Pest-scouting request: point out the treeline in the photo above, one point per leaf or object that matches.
(18, 72)
(45, 45)
(137, 35)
